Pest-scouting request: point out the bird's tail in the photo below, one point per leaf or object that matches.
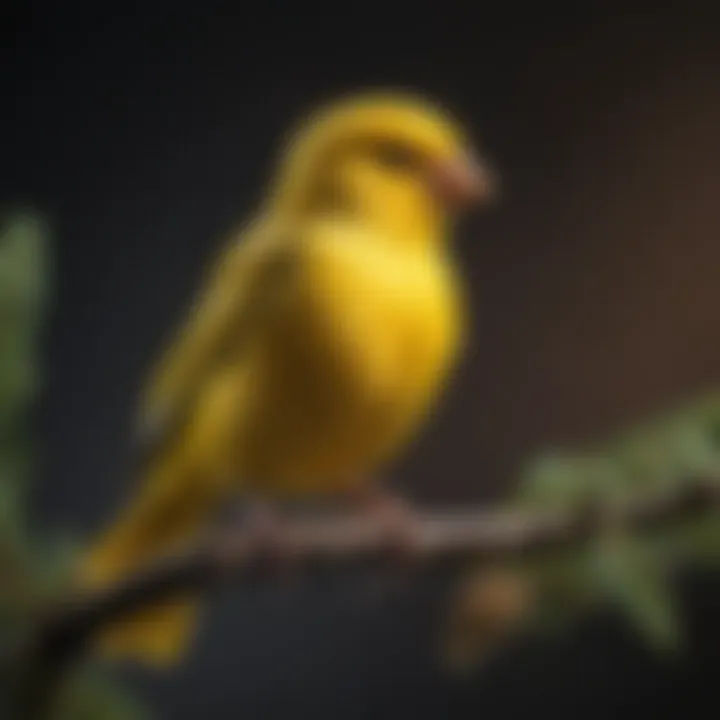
(171, 508)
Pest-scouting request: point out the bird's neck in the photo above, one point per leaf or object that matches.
(403, 213)
(420, 224)
(411, 221)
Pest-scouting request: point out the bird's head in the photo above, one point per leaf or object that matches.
(394, 160)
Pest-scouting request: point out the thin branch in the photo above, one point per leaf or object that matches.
(320, 546)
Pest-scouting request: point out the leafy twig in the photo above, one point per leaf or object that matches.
(321, 545)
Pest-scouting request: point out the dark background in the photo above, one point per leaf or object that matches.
(144, 134)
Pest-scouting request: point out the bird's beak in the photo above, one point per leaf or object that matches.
(462, 182)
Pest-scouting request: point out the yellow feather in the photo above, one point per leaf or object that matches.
(322, 341)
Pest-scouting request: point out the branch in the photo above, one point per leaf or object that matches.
(320, 546)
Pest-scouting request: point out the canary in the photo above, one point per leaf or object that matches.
(321, 340)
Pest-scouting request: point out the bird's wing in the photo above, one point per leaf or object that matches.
(240, 291)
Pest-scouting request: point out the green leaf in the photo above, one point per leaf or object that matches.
(564, 591)
(674, 447)
(697, 541)
(23, 266)
(564, 481)
(56, 564)
(11, 512)
(33, 571)
(92, 695)
(646, 456)
(628, 574)
(23, 290)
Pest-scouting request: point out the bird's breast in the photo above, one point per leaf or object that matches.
(362, 350)
(385, 320)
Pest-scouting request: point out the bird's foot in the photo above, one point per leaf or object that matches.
(262, 527)
(398, 520)
(400, 535)
(262, 520)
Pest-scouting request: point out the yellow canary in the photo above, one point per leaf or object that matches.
(319, 344)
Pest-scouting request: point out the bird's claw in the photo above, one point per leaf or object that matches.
(260, 528)
(398, 522)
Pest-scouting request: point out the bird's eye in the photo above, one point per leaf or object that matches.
(395, 157)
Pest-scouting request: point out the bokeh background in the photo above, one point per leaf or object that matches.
(144, 132)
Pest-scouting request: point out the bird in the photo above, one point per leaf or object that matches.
(321, 339)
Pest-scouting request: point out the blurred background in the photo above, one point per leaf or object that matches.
(144, 133)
